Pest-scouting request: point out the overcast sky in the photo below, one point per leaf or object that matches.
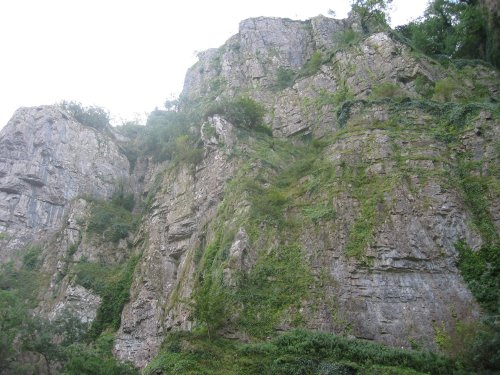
(128, 56)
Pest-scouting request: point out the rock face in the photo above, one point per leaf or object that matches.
(372, 207)
(46, 160)
(175, 226)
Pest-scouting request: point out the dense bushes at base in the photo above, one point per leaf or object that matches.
(295, 352)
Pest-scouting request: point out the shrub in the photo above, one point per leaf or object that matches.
(284, 78)
(243, 111)
(113, 285)
(95, 117)
(386, 90)
(31, 260)
(347, 38)
(112, 220)
(312, 66)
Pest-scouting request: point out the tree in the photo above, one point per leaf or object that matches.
(372, 14)
(458, 29)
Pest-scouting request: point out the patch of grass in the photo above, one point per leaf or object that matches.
(480, 269)
(112, 220)
(319, 212)
(445, 89)
(243, 111)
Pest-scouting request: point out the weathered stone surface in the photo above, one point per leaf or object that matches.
(174, 226)
(402, 285)
(46, 160)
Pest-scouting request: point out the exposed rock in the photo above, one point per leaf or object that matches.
(402, 282)
(46, 160)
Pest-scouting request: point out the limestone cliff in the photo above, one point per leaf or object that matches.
(346, 219)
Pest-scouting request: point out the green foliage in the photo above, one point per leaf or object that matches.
(387, 90)
(185, 151)
(480, 269)
(243, 111)
(319, 212)
(444, 89)
(211, 303)
(94, 359)
(284, 78)
(168, 135)
(95, 117)
(278, 281)
(347, 38)
(312, 66)
(456, 29)
(267, 203)
(372, 14)
(31, 259)
(112, 220)
(476, 194)
(294, 352)
(112, 284)
(424, 87)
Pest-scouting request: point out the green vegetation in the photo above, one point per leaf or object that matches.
(372, 14)
(457, 29)
(294, 352)
(112, 284)
(284, 78)
(347, 38)
(387, 90)
(95, 117)
(312, 65)
(112, 220)
(32, 345)
(31, 259)
(277, 283)
(243, 111)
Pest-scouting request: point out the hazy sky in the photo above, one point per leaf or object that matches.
(130, 55)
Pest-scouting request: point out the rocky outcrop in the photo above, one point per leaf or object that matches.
(384, 215)
(46, 160)
(172, 230)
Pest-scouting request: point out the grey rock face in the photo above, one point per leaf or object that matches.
(405, 284)
(174, 228)
(46, 160)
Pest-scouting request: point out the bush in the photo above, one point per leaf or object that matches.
(31, 260)
(386, 90)
(95, 117)
(347, 38)
(284, 78)
(113, 286)
(112, 220)
(312, 66)
(243, 111)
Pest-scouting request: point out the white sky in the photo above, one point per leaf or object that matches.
(128, 56)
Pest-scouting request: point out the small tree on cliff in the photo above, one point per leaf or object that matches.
(372, 13)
